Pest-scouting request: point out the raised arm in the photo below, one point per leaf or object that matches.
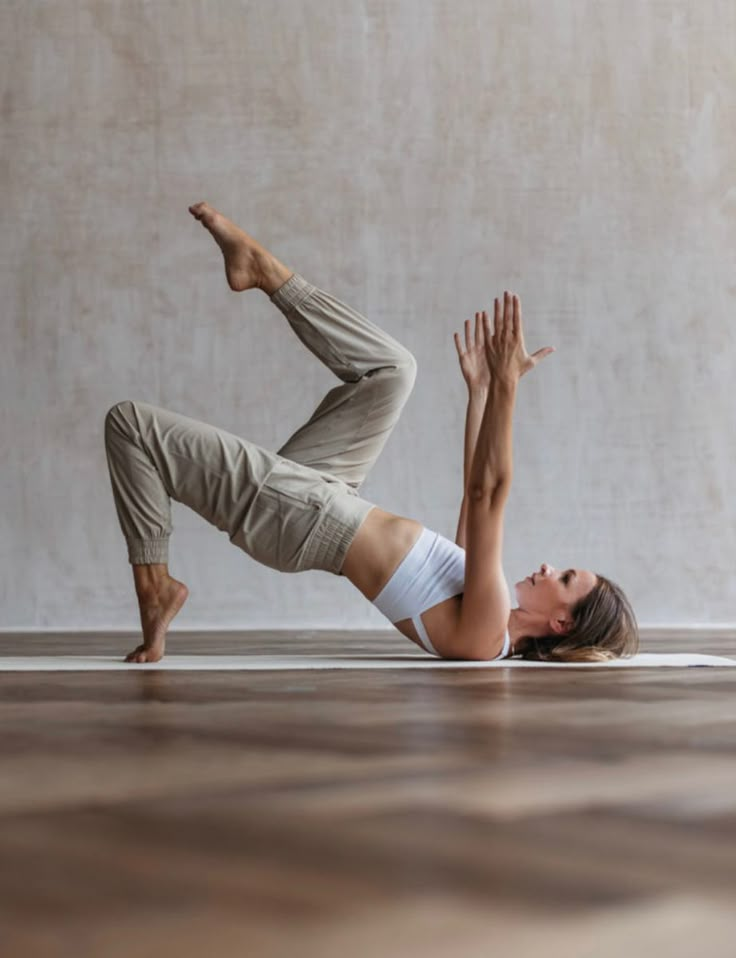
(486, 602)
(476, 374)
(473, 417)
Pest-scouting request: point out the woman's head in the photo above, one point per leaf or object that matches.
(573, 615)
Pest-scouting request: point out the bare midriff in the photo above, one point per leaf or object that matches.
(379, 546)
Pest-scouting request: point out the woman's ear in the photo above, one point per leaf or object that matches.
(561, 625)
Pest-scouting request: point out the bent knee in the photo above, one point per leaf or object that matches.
(405, 372)
(123, 404)
(409, 365)
(120, 412)
(396, 379)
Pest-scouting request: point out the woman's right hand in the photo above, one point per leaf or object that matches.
(505, 351)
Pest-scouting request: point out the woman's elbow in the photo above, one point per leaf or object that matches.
(491, 494)
(463, 652)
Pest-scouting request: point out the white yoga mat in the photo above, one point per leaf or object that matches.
(223, 663)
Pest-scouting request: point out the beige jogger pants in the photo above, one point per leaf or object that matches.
(293, 510)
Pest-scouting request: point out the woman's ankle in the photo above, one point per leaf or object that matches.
(273, 275)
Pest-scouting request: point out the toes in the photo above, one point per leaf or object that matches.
(142, 654)
(137, 655)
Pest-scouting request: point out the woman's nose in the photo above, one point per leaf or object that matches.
(545, 568)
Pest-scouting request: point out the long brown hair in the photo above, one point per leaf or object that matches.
(604, 627)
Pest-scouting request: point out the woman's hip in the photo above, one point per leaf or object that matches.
(301, 520)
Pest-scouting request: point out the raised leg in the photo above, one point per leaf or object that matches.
(350, 427)
(348, 430)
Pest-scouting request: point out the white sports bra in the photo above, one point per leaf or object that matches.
(432, 570)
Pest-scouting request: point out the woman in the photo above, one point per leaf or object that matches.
(299, 509)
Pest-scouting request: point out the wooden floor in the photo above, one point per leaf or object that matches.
(584, 813)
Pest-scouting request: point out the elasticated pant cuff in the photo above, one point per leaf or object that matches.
(148, 551)
(293, 292)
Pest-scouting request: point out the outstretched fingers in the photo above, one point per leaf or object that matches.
(497, 318)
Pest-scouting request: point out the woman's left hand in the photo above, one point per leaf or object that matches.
(473, 362)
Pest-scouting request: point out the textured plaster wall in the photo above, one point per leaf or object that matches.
(415, 158)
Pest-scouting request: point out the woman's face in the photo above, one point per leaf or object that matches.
(551, 593)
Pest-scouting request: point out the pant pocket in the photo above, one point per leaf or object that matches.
(278, 528)
(301, 484)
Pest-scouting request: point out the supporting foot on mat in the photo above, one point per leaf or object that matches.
(157, 607)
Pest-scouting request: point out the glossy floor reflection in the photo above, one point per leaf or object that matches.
(373, 812)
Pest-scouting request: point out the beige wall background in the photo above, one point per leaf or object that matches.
(416, 158)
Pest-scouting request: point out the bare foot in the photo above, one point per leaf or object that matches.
(247, 263)
(157, 607)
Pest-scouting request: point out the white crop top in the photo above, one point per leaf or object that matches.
(433, 570)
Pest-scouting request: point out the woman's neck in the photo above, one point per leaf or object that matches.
(521, 628)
